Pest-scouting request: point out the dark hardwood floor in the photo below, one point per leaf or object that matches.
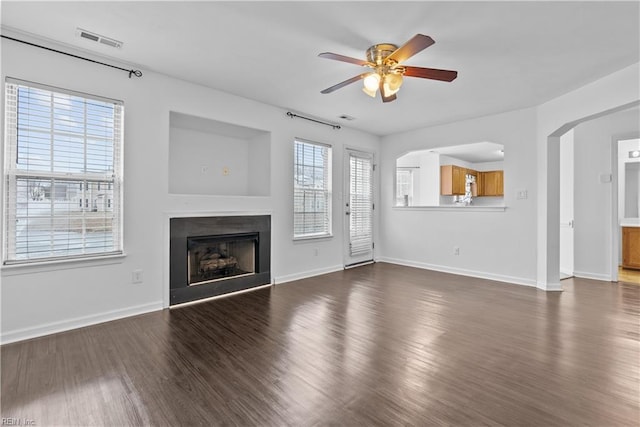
(375, 345)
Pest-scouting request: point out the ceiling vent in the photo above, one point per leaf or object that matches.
(88, 35)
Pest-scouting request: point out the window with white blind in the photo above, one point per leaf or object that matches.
(311, 190)
(360, 203)
(62, 174)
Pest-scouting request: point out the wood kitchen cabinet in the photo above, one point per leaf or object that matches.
(452, 180)
(631, 247)
(491, 183)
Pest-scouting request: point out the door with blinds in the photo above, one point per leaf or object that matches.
(358, 207)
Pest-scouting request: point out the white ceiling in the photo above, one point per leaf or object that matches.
(509, 55)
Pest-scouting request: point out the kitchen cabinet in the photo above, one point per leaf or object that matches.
(491, 183)
(452, 180)
(631, 247)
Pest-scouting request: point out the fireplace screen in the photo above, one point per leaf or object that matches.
(214, 258)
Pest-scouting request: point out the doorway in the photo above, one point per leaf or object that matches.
(566, 205)
(359, 207)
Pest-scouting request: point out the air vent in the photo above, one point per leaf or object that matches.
(345, 117)
(84, 34)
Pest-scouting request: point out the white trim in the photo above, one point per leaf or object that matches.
(77, 322)
(452, 208)
(50, 88)
(592, 276)
(358, 264)
(312, 237)
(460, 271)
(307, 274)
(60, 264)
(550, 287)
(191, 214)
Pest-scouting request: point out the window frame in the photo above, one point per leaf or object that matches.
(13, 173)
(410, 171)
(326, 191)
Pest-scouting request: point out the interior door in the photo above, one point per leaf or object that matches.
(358, 204)
(566, 205)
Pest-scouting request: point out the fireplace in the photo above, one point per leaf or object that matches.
(212, 256)
(215, 258)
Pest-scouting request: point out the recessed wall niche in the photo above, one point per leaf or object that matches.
(209, 157)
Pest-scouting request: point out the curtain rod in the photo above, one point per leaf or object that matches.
(293, 116)
(131, 72)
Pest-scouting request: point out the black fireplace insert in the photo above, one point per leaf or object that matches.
(212, 256)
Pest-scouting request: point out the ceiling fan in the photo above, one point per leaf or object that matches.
(387, 71)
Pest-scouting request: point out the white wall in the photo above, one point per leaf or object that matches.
(260, 165)
(197, 161)
(493, 243)
(594, 157)
(47, 298)
(615, 91)
(430, 179)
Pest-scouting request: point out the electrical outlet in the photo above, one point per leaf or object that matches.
(456, 250)
(204, 169)
(136, 276)
(521, 194)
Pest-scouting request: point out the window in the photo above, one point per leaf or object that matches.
(404, 187)
(63, 174)
(311, 190)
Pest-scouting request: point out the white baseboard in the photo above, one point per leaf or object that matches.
(550, 287)
(461, 271)
(593, 276)
(306, 274)
(77, 322)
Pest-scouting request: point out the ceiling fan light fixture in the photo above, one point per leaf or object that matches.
(386, 69)
(371, 93)
(393, 80)
(371, 82)
(392, 83)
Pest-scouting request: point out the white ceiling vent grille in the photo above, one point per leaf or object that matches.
(88, 35)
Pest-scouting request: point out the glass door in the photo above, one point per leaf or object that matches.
(358, 208)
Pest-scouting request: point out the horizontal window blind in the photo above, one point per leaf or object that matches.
(63, 174)
(312, 190)
(360, 204)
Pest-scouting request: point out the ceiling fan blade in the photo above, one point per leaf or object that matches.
(382, 93)
(430, 73)
(416, 44)
(343, 58)
(345, 83)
